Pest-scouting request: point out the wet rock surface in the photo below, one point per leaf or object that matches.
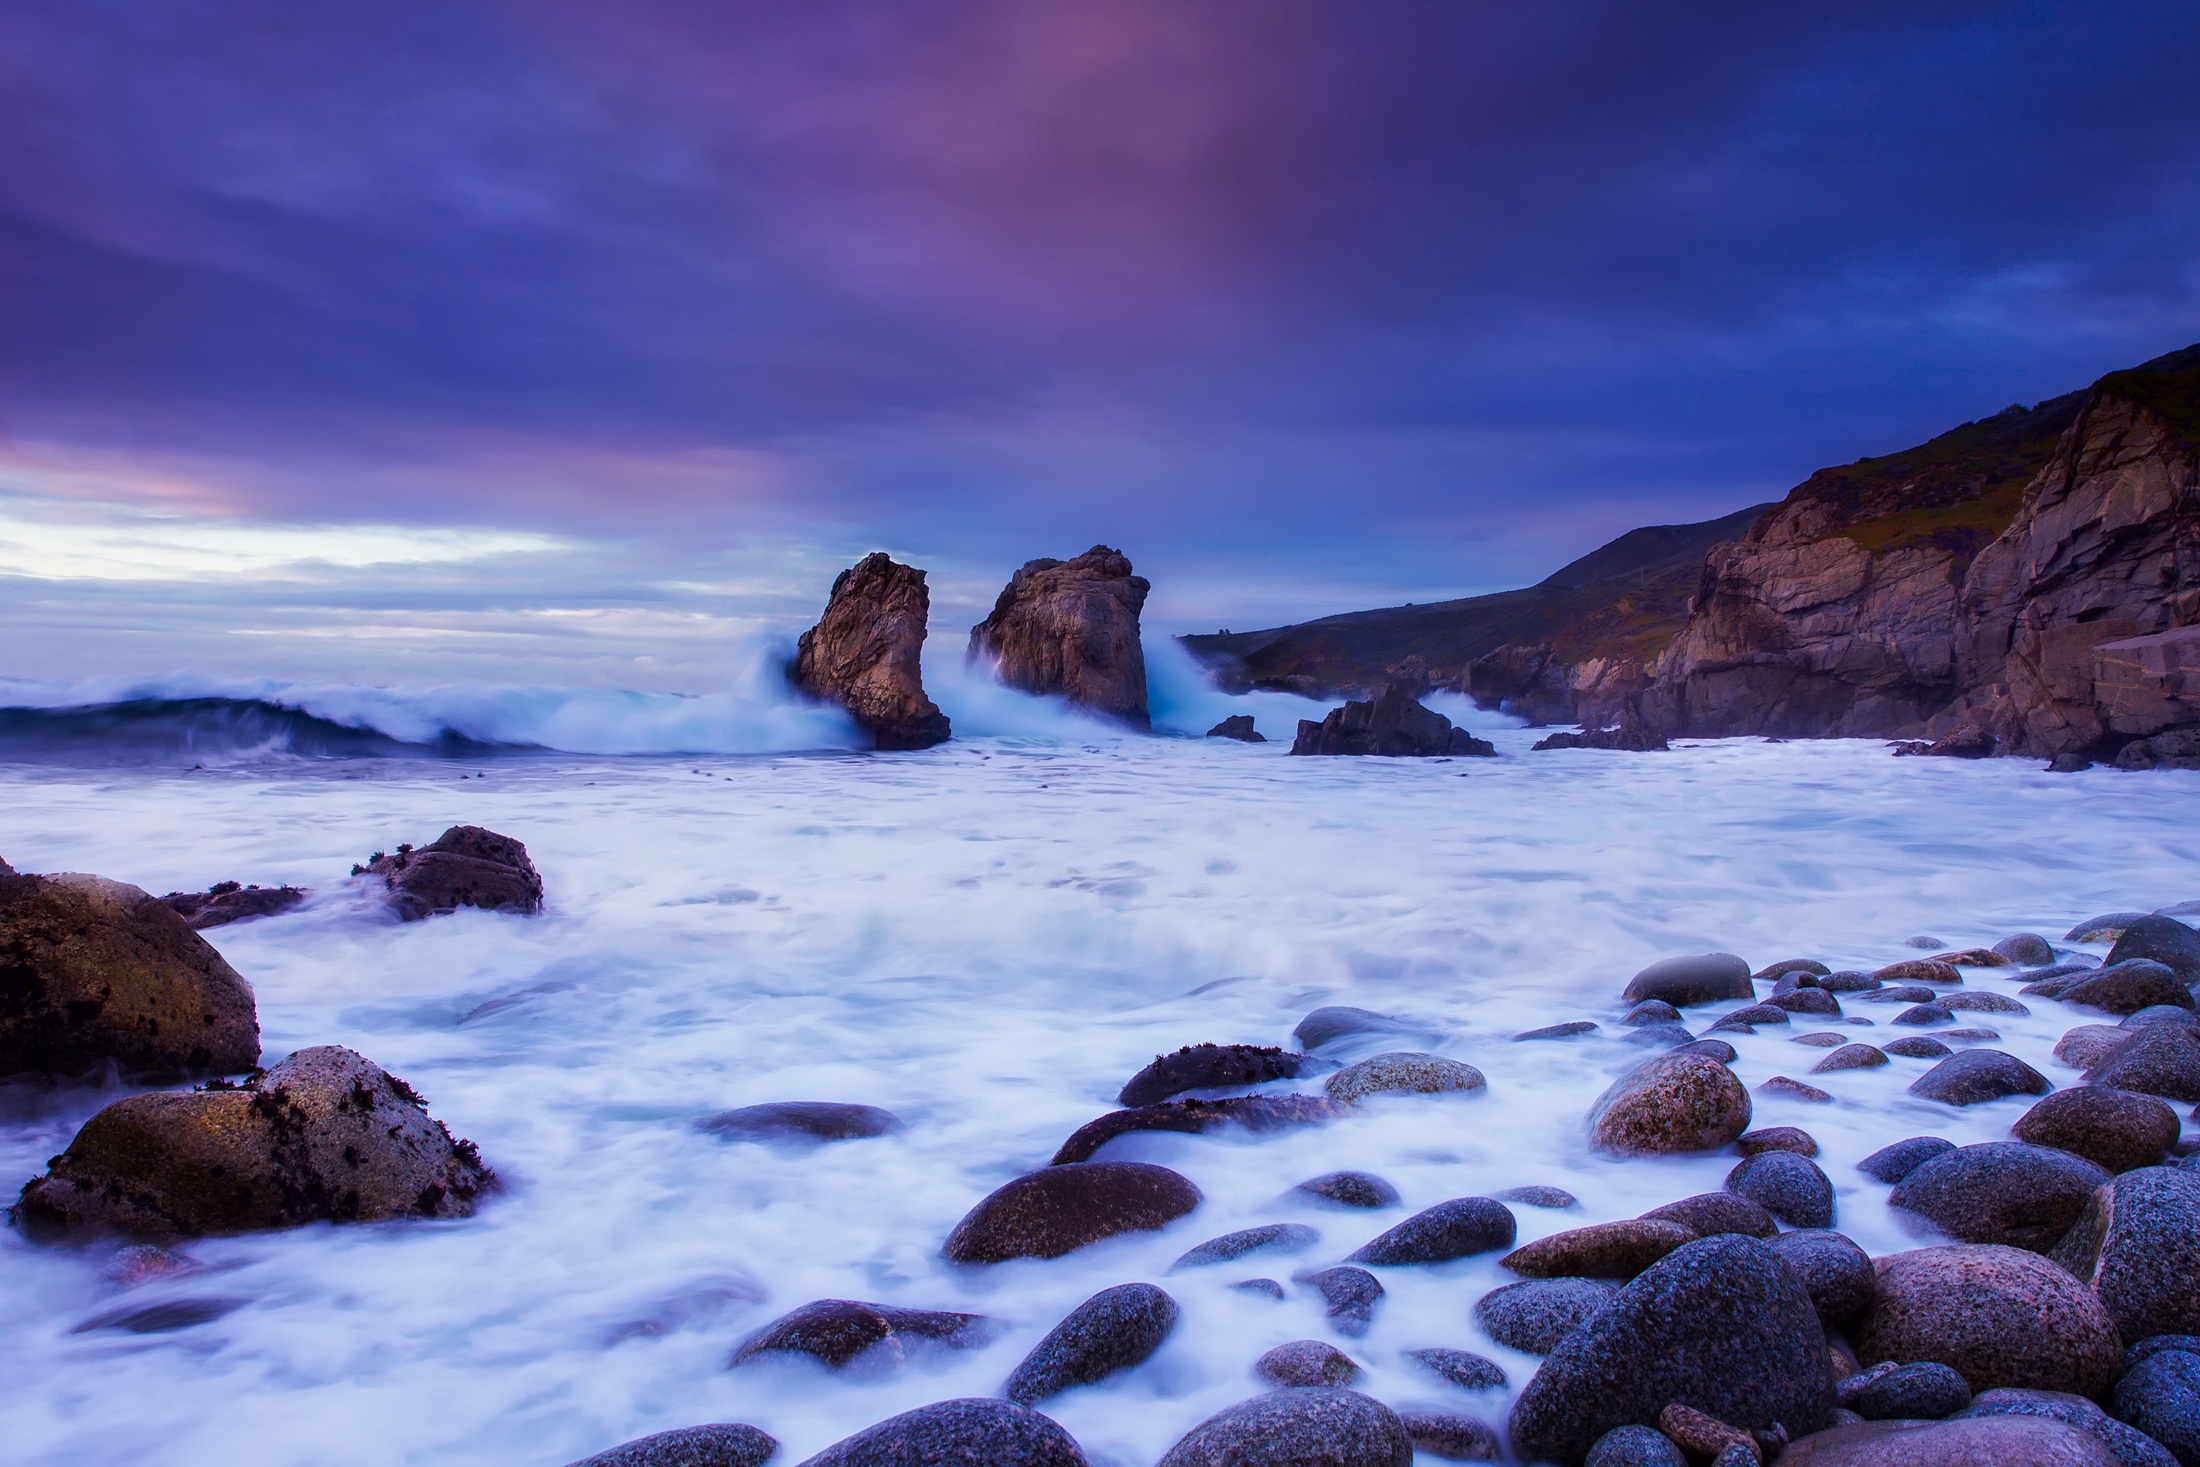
(325, 1136)
(1114, 1330)
(1790, 1187)
(1306, 1363)
(1453, 1437)
(1391, 724)
(1281, 1238)
(1349, 1296)
(1998, 1316)
(1850, 1057)
(1462, 1368)
(2137, 1244)
(2127, 987)
(1893, 1163)
(2115, 1129)
(1536, 1314)
(866, 654)
(1613, 1250)
(1238, 726)
(1208, 1067)
(2004, 1192)
(723, 1444)
(1297, 1428)
(957, 1433)
(1062, 1208)
(1349, 1189)
(1777, 1138)
(96, 970)
(465, 866)
(2160, 1397)
(1977, 1076)
(839, 1332)
(2160, 1059)
(1069, 628)
(2026, 948)
(2005, 1441)
(1836, 1272)
(1721, 1325)
(1195, 1117)
(1676, 1102)
(1402, 1072)
(1922, 1391)
(1325, 1026)
(1716, 1212)
(1635, 1446)
(228, 901)
(1686, 982)
(801, 1123)
(2163, 940)
(1458, 1228)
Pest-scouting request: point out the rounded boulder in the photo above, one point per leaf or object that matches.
(1790, 1187)
(1976, 1076)
(1536, 1314)
(1113, 1330)
(956, 1433)
(1403, 1072)
(1997, 1316)
(721, 1444)
(1676, 1102)
(1613, 1250)
(2115, 1129)
(1297, 1428)
(1455, 1229)
(1838, 1274)
(1063, 1208)
(2004, 1192)
(1686, 982)
(2001, 1441)
(2137, 1243)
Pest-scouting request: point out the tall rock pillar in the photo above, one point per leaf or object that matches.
(1070, 628)
(866, 654)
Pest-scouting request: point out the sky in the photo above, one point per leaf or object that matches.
(577, 342)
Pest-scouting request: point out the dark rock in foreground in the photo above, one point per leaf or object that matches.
(227, 901)
(1716, 1212)
(957, 1434)
(2138, 1245)
(1998, 1316)
(801, 1122)
(1208, 1067)
(2004, 1192)
(1238, 726)
(2161, 1397)
(1635, 1446)
(866, 654)
(1721, 1325)
(724, 1444)
(1790, 1187)
(1113, 1330)
(1069, 628)
(1061, 1208)
(1297, 1428)
(1924, 1390)
(94, 970)
(1391, 724)
(2159, 1059)
(2164, 940)
(1451, 1436)
(838, 1332)
(465, 866)
(325, 1136)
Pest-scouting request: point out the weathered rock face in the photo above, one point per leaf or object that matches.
(465, 866)
(94, 970)
(2036, 574)
(866, 654)
(325, 1136)
(1392, 724)
(228, 901)
(1070, 627)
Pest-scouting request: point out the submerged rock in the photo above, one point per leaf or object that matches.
(1349, 1296)
(801, 1122)
(955, 1433)
(1391, 724)
(1998, 1316)
(1350, 1189)
(1687, 982)
(838, 1332)
(1114, 1330)
(1535, 1196)
(1048, 1213)
(866, 654)
(1326, 1025)
(1069, 628)
(722, 1444)
(1635, 1446)
(1451, 1436)
(1238, 726)
(325, 1136)
(2137, 1243)
(227, 901)
(2004, 1192)
(1306, 1363)
(1209, 1067)
(1270, 1238)
(1195, 1117)
(1455, 1229)
(93, 970)
(1676, 1102)
(465, 866)
(1297, 1428)
(1402, 1073)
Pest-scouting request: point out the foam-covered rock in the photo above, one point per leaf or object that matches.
(839, 1332)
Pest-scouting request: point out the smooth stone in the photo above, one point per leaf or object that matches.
(1453, 1437)
(2125, 988)
(1789, 982)
(1974, 957)
(1777, 1138)
(1266, 1288)
(1772, 971)
(1306, 1363)
(1850, 1057)
(1458, 1228)
(2087, 1045)
(1901, 993)
(954, 1433)
(1790, 1187)
(1297, 1428)
(1756, 1013)
(1676, 1102)
(2116, 1129)
(1712, 1049)
(1059, 1209)
(1635, 1446)
(1716, 1212)
(1350, 1189)
(1613, 1250)
(1978, 1001)
(2137, 1244)
(1700, 1434)
(722, 1444)
(1848, 981)
(2163, 940)
(1462, 1368)
(2160, 1013)
(2027, 949)
(2159, 1059)
(2154, 1344)
(1349, 1296)
(1924, 1015)
(1968, 1036)
(2129, 1448)
(1197, 1117)
(1977, 1076)
(2003, 1192)
(1271, 1238)
(1665, 1035)
(1556, 1198)
(1567, 1030)
(1720, 1325)
(2160, 1396)
(801, 1122)
(1208, 1067)
(1992, 1441)
(1791, 1089)
(1833, 1268)
(1919, 970)
(838, 1331)
(1113, 1330)
(2105, 928)
(1924, 942)
(1998, 1316)
(1821, 1039)
(1806, 1001)
(1651, 1011)
(1917, 1046)
(1893, 1163)
(1536, 1314)
(1325, 1026)
(1924, 1390)
(1402, 1073)
(1687, 982)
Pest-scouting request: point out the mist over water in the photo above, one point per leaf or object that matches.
(988, 939)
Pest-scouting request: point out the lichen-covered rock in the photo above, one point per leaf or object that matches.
(2115, 1129)
(840, 1332)
(465, 866)
(1048, 1213)
(1676, 1102)
(1998, 1316)
(1402, 1072)
(1613, 1250)
(866, 654)
(1391, 724)
(1208, 1067)
(1069, 628)
(721, 1444)
(1685, 982)
(94, 970)
(956, 1434)
(1458, 1228)
(1297, 1428)
(1720, 1325)
(2138, 1244)
(325, 1136)
(1113, 1330)
(2004, 1192)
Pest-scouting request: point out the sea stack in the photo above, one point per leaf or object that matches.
(866, 654)
(1070, 628)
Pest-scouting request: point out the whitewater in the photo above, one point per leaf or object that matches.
(987, 939)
